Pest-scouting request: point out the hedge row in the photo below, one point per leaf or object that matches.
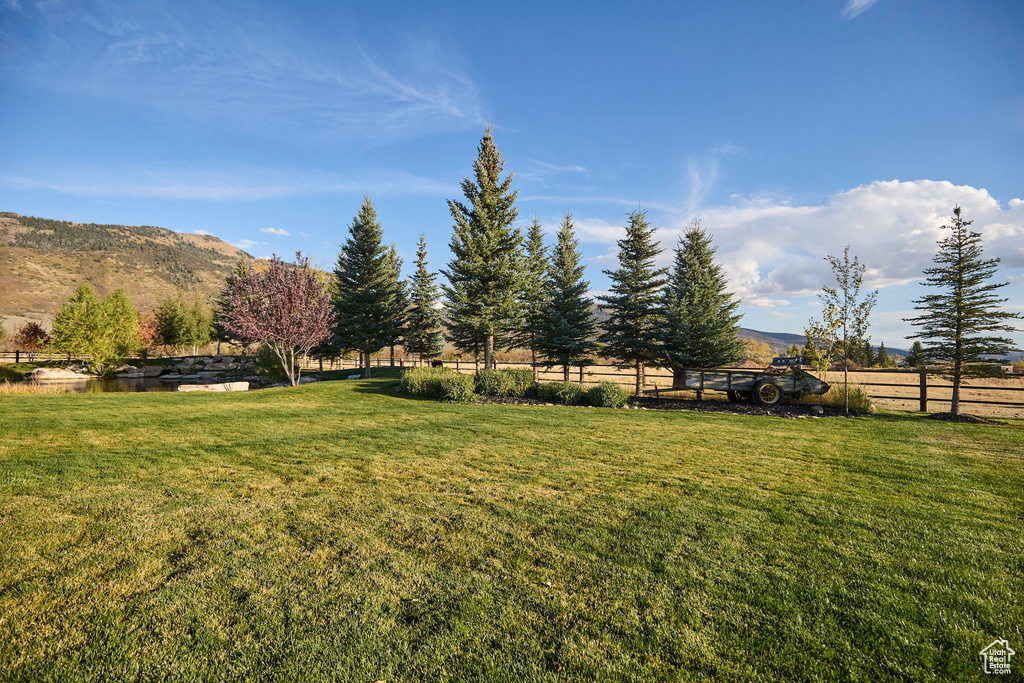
(444, 384)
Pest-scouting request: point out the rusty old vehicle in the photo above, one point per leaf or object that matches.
(764, 387)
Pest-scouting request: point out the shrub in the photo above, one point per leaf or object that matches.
(268, 365)
(440, 384)
(569, 393)
(860, 402)
(504, 382)
(607, 395)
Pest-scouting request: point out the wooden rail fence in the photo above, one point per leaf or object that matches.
(928, 388)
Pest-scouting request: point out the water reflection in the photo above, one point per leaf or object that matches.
(97, 385)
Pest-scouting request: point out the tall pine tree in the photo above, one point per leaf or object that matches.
(701, 323)
(402, 292)
(631, 332)
(368, 304)
(956, 324)
(566, 331)
(484, 275)
(533, 295)
(423, 331)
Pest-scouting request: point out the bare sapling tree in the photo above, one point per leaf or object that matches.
(843, 308)
(285, 307)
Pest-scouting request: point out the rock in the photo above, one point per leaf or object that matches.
(308, 380)
(354, 376)
(226, 386)
(152, 370)
(46, 374)
(131, 375)
(817, 410)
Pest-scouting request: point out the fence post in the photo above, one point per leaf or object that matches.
(924, 392)
(581, 374)
(456, 365)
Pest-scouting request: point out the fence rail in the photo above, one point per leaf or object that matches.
(927, 389)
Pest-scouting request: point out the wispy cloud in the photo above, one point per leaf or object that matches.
(220, 62)
(534, 169)
(213, 183)
(276, 231)
(855, 8)
(203, 232)
(246, 245)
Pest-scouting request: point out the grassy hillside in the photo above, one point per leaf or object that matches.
(336, 530)
(42, 261)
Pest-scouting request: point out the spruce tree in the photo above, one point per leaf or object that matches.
(566, 330)
(701, 323)
(884, 360)
(402, 292)
(533, 295)
(423, 333)
(631, 331)
(956, 324)
(484, 275)
(916, 357)
(368, 305)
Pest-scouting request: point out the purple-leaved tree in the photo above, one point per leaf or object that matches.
(285, 307)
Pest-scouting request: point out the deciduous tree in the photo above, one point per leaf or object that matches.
(287, 308)
(957, 323)
(31, 338)
(631, 331)
(843, 309)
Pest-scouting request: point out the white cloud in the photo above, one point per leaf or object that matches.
(855, 8)
(276, 231)
(541, 170)
(246, 245)
(203, 232)
(773, 250)
(211, 183)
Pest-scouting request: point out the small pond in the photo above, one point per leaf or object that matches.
(97, 385)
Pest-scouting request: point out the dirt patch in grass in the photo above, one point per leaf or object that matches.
(964, 417)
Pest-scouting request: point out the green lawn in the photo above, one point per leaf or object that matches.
(339, 531)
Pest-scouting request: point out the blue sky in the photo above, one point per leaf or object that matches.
(788, 129)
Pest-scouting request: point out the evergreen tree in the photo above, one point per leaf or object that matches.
(630, 333)
(401, 292)
(368, 305)
(956, 324)
(701, 324)
(423, 333)
(916, 357)
(484, 275)
(868, 354)
(218, 332)
(566, 331)
(884, 360)
(533, 296)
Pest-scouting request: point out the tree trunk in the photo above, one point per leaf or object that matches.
(565, 372)
(489, 352)
(321, 363)
(639, 378)
(392, 355)
(954, 404)
(533, 363)
(365, 358)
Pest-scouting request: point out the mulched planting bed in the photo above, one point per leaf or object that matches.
(650, 403)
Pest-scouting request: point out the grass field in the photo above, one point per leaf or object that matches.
(337, 531)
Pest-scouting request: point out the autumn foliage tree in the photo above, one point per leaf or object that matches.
(287, 308)
(32, 338)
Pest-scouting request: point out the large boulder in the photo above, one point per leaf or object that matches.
(226, 386)
(46, 374)
(152, 370)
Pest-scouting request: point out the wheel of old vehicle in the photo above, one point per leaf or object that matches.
(767, 393)
(737, 396)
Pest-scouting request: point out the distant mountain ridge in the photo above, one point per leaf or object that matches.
(42, 261)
